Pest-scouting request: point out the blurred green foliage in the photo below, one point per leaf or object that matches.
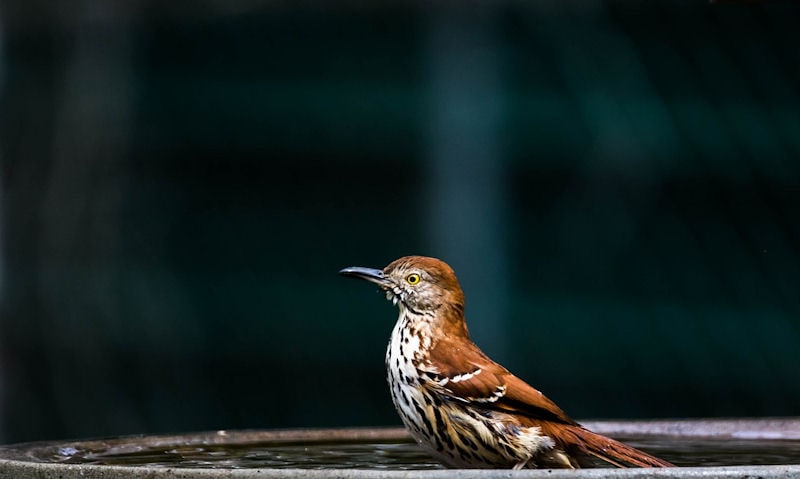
(180, 188)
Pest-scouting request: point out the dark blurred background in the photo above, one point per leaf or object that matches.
(617, 184)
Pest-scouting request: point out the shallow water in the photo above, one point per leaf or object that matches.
(394, 454)
(377, 455)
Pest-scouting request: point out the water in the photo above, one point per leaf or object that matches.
(378, 454)
(307, 456)
(719, 452)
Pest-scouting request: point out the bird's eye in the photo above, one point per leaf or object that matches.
(412, 279)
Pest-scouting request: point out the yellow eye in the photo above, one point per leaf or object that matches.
(412, 279)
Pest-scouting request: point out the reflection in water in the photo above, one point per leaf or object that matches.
(395, 454)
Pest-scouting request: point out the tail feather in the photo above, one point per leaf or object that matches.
(611, 451)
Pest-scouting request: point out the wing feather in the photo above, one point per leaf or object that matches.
(466, 374)
(472, 376)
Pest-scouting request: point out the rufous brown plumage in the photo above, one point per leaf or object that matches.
(462, 407)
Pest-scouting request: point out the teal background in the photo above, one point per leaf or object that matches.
(616, 183)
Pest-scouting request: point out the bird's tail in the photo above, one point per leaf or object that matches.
(613, 452)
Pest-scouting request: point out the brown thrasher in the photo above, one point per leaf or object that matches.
(462, 407)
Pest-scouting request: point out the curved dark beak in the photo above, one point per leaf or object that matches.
(372, 275)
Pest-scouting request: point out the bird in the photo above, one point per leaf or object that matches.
(465, 409)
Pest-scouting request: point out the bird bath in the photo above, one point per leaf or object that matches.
(766, 448)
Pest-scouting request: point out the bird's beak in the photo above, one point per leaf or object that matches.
(372, 275)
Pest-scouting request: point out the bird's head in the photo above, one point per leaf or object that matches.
(418, 283)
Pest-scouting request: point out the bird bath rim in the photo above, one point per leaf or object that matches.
(26, 461)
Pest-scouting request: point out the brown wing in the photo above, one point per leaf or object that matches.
(472, 376)
(466, 374)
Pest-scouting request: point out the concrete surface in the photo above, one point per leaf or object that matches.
(28, 461)
(27, 470)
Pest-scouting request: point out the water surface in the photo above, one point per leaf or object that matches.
(386, 454)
